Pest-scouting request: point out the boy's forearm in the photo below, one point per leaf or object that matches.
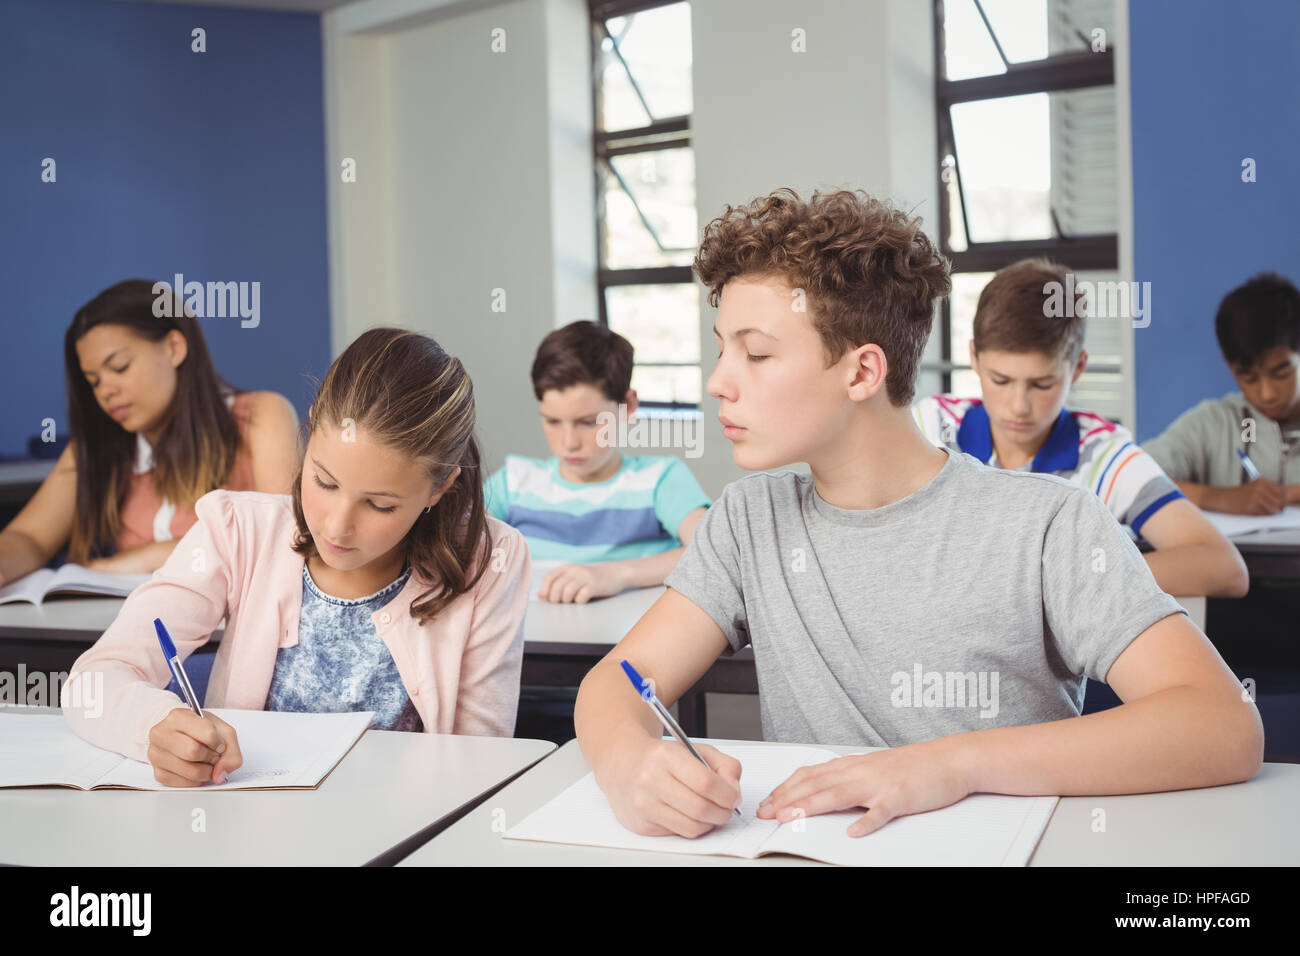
(608, 712)
(648, 572)
(1203, 496)
(1175, 739)
(1199, 570)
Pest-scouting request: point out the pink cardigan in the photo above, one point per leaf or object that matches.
(461, 669)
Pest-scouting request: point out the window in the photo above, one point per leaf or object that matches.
(1025, 101)
(646, 224)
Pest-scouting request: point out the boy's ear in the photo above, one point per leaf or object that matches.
(631, 401)
(974, 363)
(1080, 365)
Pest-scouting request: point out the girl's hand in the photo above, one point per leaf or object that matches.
(580, 583)
(188, 751)
(889, 783)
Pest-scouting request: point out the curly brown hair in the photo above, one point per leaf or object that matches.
(870, 274)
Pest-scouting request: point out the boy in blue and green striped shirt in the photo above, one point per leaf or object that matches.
(618, 521)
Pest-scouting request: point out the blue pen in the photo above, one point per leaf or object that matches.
(648, 695)
(174, 662)
(1251, 471)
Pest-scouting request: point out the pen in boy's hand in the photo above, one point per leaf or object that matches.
(648, 695)
(1249, 466)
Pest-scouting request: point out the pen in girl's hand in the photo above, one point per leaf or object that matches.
(174, 663)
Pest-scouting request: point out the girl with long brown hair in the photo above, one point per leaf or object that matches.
(152, 427)
(379, 584)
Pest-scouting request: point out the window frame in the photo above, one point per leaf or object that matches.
(1061, 72)
(673, 132)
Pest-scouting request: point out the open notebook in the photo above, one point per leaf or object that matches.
(1233, 525)
(69, 579)
(981, 830)
(282, 751)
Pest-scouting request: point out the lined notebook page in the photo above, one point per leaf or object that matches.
(582, 815)
(1229, 525)
(982, 830)
(280, 749)
(37, 750)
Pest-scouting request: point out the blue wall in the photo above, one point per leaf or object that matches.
(209, 164)
(1213, 81)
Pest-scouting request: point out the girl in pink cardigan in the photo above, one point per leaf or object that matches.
(379, 584)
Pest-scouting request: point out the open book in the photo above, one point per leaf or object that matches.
(1232, 525)
(282, 751)
(982, 830)
(69, 579)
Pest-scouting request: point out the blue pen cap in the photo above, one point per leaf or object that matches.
(640, 683)
(165, 639)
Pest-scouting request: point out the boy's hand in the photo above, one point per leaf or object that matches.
(656, 788)
(187, 750)
(580, 583)
(1258, 497)
(890, 783)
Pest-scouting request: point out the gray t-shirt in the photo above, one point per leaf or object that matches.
(975, 602)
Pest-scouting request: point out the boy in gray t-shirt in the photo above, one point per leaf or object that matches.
(976, 601)
(898, 594)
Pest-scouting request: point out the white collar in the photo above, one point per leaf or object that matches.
(144, 451)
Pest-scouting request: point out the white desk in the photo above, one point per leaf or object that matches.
(559, 628)
(548, 628)
(389, 794)
(1250, 824)
(20, 479)
(77, 620)
(1195, 607)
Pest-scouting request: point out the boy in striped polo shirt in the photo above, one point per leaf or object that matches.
(600, 520)
(1026, 359)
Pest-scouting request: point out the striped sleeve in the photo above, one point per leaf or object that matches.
(676, 495)
(495, 495)
(1126, 479)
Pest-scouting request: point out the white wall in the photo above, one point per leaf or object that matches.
(488, 163)
(855, 111)
(484, 163)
